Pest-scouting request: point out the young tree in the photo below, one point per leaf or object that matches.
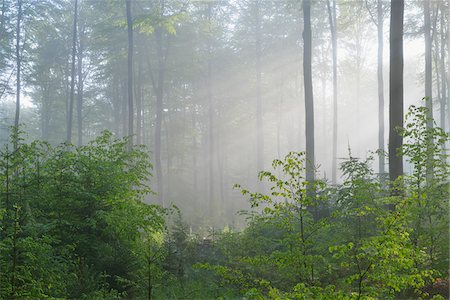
(396, 89)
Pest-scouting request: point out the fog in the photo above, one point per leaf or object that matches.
(203, 58)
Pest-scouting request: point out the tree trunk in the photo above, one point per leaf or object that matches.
(396, 90)
(309, 102)
(130, 74)
(159, 112)
(380, 21)
(210, 118)
(428, 78)
(19, 69)
(72, 74)
(80, 87)
(259, 118)
(443, 74)
(333, 29)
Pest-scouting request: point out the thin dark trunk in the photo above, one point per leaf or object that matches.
(130, 74)
(72, 74)
(396, 90)
(19, 68)
(380, 21)
(309, 101)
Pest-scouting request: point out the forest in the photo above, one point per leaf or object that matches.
(224, 149)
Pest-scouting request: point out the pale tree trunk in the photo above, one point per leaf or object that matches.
(210, 118)
(259, 118)
(380, 21)
(72, 74)
(130, 74)
(309, 102)
(19, 69)
(333, 29)
(80, 86)
(428, 78)
(396, 90)
(443, 74)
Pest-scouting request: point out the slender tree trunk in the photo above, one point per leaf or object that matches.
(210, 117)
(332, 21)
(396, 90)
(159, 112)
(428, 78)
(443, 74)
(80, 87)
(130, 74)
(194, 151)
(19, 68)
(259, 117)
(72, 74)
(139, 93)
(380, 21)
(428, 61)
(309, 102)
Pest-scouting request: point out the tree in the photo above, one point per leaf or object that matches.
(18, 66)
(333, 29)
(309, 101)
(259, 112)
(130, 73)
(396, 89)
(380, 23)
(72, 74)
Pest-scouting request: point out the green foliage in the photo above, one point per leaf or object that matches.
(74, 219)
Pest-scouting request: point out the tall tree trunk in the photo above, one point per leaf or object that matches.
(19, 68)
(72, 74)
(380, 21)
(210, 117)
(309, 101)
(139, 93)
(428, 77)
(443, 74)
(80, 86)
(259, 118)
(159, 112)
(332, 21)
(396, 90)
(130, 74)
(428, 61)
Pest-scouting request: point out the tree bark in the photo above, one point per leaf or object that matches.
(333, 29)
(210, 118)
(130, 74)
(72, 74)
(159, 107)
(428, 79)
(380, 21)
(309, 101)
(19, 68)
(396, 90)
(259, 118)
(80, 86)
(443, 74)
